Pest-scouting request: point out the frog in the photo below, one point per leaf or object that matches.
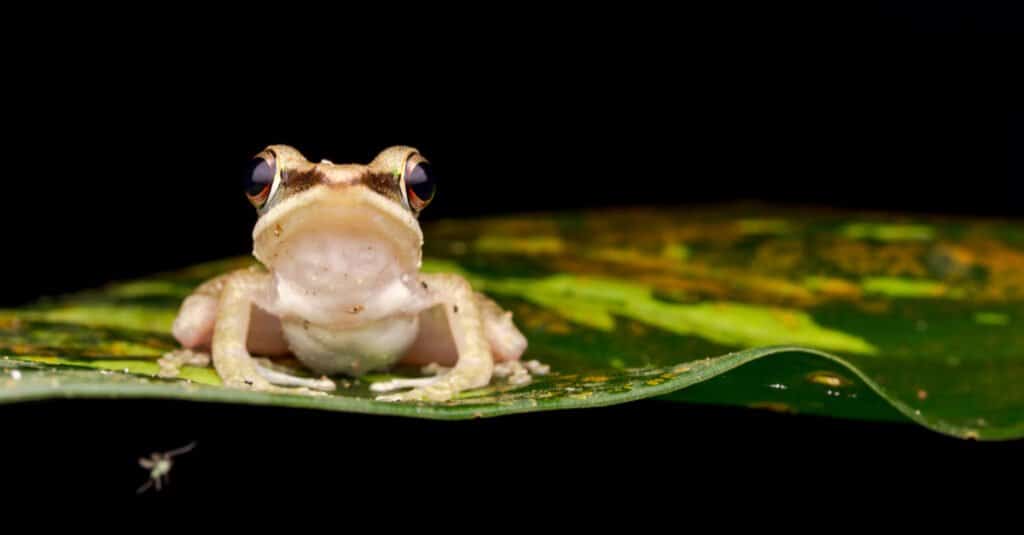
(338, 286)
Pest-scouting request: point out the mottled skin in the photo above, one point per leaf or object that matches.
(341, 289)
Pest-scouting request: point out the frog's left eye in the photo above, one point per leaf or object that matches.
(418, 184)
(260, 180)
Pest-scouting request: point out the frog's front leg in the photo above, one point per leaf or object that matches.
(475, 364)
(231, 359)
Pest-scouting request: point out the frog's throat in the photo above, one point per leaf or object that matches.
(272, 228)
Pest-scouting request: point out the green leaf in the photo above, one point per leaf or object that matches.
(877, 318)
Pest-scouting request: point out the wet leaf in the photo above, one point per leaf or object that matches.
(854, 316)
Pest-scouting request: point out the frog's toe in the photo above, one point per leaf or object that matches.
(283, 379)
(171, 362)
(412, 395)
(301, 390)
(259, 384)
(398, 384)
(435, 392)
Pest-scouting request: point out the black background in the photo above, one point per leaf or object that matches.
(129, 148)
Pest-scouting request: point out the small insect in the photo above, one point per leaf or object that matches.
(159, 466)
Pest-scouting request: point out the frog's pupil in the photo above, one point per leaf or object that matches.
(421, 184)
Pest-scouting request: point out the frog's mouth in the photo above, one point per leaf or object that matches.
(354, 228)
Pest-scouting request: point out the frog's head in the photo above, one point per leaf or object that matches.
(324, 226)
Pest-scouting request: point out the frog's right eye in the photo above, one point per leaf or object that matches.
(259, 182)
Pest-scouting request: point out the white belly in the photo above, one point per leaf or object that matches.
(352, 351)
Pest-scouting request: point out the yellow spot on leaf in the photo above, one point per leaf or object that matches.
(764, 226)
(909, 288)
(537, 245)
(9, 321)
(115, 316)
(833, 287)
(676, 251)
(827, 379)
(888, 232)
(991, 318)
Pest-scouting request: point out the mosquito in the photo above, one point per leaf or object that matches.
(159, 466)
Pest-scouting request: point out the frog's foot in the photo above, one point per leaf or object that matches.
(266, 368)
(171, 363)
(257, 383)
(429, 389)
(440, 388)
(520, 373)
(434, 368)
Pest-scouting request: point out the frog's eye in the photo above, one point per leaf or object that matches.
(418, 184)
(260, 180)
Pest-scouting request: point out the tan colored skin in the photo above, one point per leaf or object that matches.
(271, 312)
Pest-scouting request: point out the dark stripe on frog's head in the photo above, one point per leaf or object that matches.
(299, 180)
(385, 184)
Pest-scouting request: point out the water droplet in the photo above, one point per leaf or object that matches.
(778, 386)
(16, 375)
